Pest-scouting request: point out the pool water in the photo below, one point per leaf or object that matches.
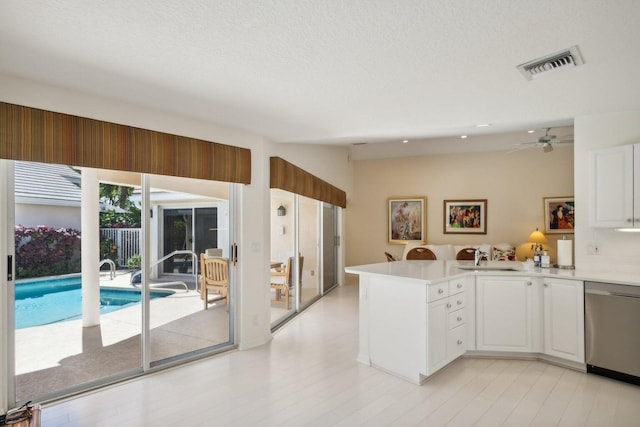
(42, 302)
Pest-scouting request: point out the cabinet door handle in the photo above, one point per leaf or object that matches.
(440, 291)
(529, 283)
(459, 342)
(459, 285)
(546, 285)
(459, 319)
(629, 220)
(459, 302)
(448, 305)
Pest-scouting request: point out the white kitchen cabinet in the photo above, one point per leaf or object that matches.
(412, 328)
(446, 323)
(564, 319)
(437, 335)
(505, 318)
(614, 193)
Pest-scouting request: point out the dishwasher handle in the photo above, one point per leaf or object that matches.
(609, 293)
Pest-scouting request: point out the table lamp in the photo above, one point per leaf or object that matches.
(537, 238)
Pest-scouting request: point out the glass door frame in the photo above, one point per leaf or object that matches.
(7, 297)
(7, 252)
(333, 243)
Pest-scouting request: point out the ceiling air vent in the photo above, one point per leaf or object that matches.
(567, 58)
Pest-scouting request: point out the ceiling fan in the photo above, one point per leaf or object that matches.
(546, 142)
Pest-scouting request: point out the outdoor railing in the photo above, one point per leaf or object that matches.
(112, 267)
(194, 263)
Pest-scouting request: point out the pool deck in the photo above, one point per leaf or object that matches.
(60, 355)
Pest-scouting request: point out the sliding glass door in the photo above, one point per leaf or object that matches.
(308, 228)
(91, 301)
(309, 245)
(72, 327)
(329, 247)
(283, 247)
(190, 225)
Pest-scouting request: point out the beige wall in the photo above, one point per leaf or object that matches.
(514, 185)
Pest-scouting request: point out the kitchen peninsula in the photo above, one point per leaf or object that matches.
(415, 317)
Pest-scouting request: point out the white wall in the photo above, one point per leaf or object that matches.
(617, 251)
(282, 244)
(31, 215)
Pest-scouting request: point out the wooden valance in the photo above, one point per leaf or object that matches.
(44, 136)
(287, 176)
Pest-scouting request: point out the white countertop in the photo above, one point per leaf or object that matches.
(437, 271)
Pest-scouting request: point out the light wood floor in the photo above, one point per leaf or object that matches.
(308, 376)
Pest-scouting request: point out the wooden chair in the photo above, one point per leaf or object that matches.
(390, 257)
(214, 279)
(281, 281)
(466, 254)
(420, 253)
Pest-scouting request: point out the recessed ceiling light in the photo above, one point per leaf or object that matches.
(531, 131)
(463, 136)
(483, 125)
(405, 141)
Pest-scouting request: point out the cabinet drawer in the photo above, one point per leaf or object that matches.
(456, 286)
(457, 318)
(438, 291)
(456, 342)
(456, 302)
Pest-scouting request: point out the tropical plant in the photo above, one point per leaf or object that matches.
(134, 261)
(44, 251)
(125, 213)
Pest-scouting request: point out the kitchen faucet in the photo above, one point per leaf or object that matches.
(477, 256)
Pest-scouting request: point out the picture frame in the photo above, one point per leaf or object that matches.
(465, 216)
(407, 221)
(559, 214)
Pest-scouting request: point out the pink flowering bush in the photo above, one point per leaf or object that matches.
(44, 251)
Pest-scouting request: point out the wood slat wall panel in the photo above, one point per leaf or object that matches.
(44, 136)
(287, 176)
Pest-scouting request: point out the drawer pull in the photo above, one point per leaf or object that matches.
(448, 305)
(459, 319)
(459, 285)
(440, 291)
(459, 302)
(459, 342)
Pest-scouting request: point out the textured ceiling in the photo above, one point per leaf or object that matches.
(334, 71)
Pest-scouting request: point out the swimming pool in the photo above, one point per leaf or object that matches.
(51, 300)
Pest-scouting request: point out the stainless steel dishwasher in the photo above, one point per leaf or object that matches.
(612, 330)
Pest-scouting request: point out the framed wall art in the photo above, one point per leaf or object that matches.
(465, 216)
(407, 220)
(559, 214)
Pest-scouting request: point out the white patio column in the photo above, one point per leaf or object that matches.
(89, 224)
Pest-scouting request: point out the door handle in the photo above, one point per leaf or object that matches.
(234, 253)
(9, 267)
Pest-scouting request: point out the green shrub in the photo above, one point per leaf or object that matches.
(44, 251)
(135, 261)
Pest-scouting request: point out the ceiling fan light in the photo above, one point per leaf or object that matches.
(546, 147)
